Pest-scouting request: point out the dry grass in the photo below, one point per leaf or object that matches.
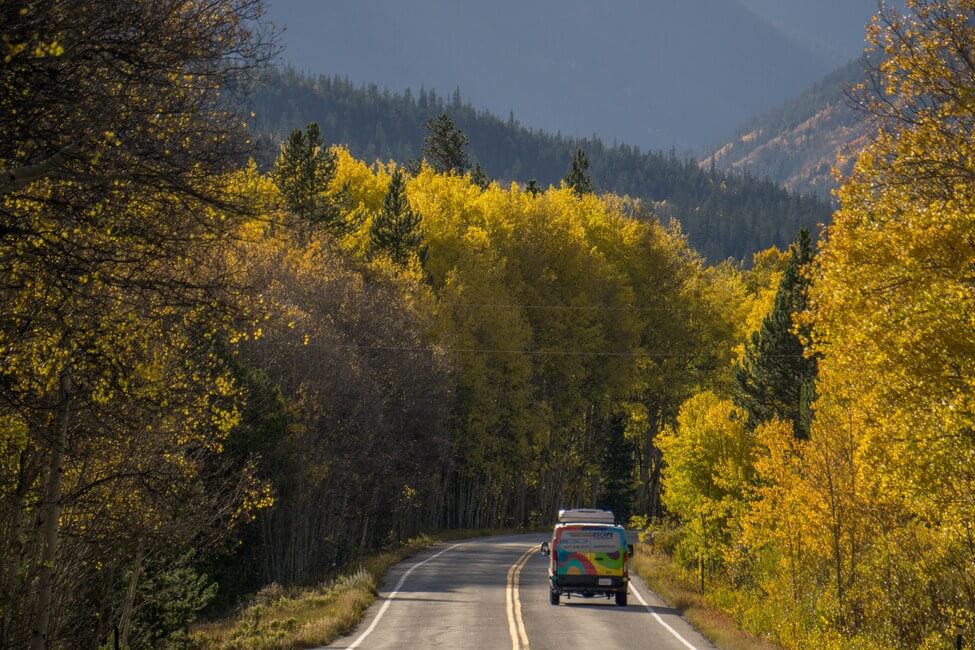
(299, 618)
(668, 581)
(277, 618)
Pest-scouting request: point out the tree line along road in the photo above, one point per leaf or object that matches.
(493, 593)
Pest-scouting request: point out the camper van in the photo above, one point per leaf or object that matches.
(588, 554)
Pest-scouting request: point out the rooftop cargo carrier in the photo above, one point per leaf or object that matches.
(586, 516)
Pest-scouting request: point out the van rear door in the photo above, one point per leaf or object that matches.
(589, 550)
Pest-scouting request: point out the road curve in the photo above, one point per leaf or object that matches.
(492, 592)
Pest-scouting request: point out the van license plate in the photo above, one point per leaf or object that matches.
(605, 582)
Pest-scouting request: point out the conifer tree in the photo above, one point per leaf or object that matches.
(532, 187)
(616, 470)
(303, 172)
(578, 177)
(396, 230)
(775, 379)
(445, 146)
(479, 177)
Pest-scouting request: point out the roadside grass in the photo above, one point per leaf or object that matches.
(680, 591)
(279, 618)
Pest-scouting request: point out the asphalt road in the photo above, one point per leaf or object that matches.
(493, 593)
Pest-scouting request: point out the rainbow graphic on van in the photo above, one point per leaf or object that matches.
(589, 550)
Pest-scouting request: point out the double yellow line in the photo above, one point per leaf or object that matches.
(516, 624)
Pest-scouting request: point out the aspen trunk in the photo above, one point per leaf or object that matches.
(15, 547)
(654, 503)
(52, 515)
(104, 608)
(130, 597)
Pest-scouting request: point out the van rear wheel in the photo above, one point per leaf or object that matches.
(553, 597)
(621, 598)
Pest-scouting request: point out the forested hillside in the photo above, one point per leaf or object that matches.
(797, 144)
(723, 215)
(575, 66)
(833, 28)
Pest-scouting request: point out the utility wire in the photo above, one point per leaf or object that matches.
(491, 305)
(566, 353)
(558, 307)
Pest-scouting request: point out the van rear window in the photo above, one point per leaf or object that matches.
(589, 540)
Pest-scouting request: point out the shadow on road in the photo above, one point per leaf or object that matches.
(484, 567)
(426, 600)
(629, 609)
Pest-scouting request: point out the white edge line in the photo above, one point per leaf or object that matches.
(636, 593)
(389, 598)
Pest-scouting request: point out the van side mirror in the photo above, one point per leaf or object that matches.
(545, 549)
(629, 550)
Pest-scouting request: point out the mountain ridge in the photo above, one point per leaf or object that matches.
(797, 143)
(566, 65)
(724, 215)
(833, 28)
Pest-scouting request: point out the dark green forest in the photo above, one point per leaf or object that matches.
(724, 215)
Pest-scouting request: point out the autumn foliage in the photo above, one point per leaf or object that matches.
(861, 535)
(217, 378)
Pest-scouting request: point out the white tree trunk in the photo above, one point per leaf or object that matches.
(52, 515)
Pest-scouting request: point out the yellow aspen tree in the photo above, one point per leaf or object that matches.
(893, 312)
(709, 472)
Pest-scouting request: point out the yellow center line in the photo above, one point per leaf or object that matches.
(522, 633)
(509, 609)
(516, 623)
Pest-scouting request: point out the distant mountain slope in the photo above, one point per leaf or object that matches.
(833, 28)
(797, 143)
(724, 215)
(654, 73)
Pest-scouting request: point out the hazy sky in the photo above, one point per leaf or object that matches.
(655, 73)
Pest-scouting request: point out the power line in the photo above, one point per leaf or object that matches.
(558, 307)
(581, 353)
(491, 305)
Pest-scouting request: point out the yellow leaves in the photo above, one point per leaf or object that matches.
(408, 493)
(780, 499)
(12, 49)
(708, 454)
(258, 496)
(14, 438)
(223, 421)
(477, 239)
(367, 186)
(881, 480)
(54, 48)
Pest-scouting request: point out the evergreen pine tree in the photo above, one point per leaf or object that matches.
(775, 379)
(396, 230)
(303, 172)
(479, 177)
(444, 146)
(578, 177)
(532, 187)
(616, 470)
